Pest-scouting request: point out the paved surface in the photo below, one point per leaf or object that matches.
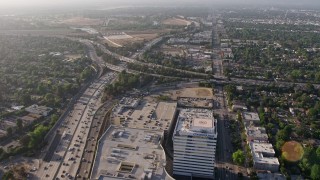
(92, 141)
(225, 168)
(74, 133)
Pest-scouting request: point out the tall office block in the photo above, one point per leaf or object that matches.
(194, 143)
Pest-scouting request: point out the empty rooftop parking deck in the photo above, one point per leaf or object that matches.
(127, 153)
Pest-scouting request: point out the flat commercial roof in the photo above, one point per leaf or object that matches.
(130, 153)
(193, 121)
(203, 123)
(146, 115)
(250, 116)
(257, 132)
(263, 153)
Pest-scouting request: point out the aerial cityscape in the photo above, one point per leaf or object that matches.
(148, 90)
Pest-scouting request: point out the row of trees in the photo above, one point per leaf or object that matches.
(163, 71)
(126, 82)
(31, 141)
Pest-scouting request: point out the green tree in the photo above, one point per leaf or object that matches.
(8, 175)
(9, 131)
(238, 157)
(36, 137)
(49, 97)
(19, 124)
(239, 116)
(54, 119)
(295, 74)
(25, 99)
(318, 152)
(24, 140)
(315, 172)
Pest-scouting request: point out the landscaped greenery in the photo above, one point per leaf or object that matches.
(41, 72)
(126, 82)
(238, 157)
(301, 125)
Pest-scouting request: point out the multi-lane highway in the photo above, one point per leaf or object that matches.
(96, 130)
(73, 134)
(151, 65)
(218, 76)
(63, 157)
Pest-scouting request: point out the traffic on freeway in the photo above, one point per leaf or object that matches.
(65, 157)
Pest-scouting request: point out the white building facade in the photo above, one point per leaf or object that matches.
(194, 143)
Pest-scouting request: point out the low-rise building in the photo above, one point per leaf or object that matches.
(263, 157)
(251, 118)
(41, 110)
(29, 118)
(226, 53)
(178, 40)
(256, 134)
(128, 153)
(270, 176)
(238, 106)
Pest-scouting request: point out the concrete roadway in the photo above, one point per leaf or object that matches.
(80, 137)
(151, 65)
(224, 146)
(90, 147)
(225, 167)
(74, 134)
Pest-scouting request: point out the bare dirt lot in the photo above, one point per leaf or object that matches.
(176, 21)
(132, 37)
(193, 93)
(72, 57)
(136, 38)
(292, 151)
(173, 51)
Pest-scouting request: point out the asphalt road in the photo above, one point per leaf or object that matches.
(92, 140)
(75, 128)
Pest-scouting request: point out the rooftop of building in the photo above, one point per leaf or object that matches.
(30, 117)
(42, 110)
(199, 122)
(268, 176)
(195, 102)
(263, 153)
(256, 132)
(127, 153)
(146, 115)
(250, 116)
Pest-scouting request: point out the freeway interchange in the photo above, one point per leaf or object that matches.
(70, 153)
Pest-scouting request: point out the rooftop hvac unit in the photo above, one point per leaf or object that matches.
(114, 154)
(115, 150)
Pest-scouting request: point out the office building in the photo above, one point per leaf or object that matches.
(194, 143)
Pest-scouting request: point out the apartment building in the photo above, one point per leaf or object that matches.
(263, 157)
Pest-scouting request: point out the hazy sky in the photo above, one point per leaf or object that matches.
(57, 3)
